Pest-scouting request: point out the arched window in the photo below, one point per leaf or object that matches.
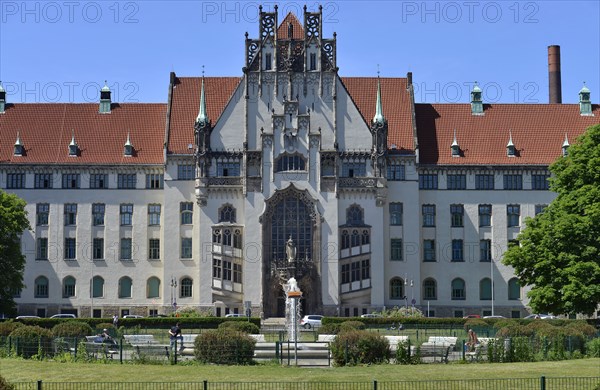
(290, 162)
(227, 214)
(429, 289)
(485, 289)
(153, 287)
(396, 288)
(125, 287)
(41, 287)
(68, 287)
(514, 289)
(354, 215)
(458, 289)
(186, 288)
(97, 287)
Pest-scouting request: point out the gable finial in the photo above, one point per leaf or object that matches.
(378, 118)
(202, 115)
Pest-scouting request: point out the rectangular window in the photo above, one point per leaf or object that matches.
(237, 273)
(396, 214)
(457, 250)
(98, 181)
(225, 169)
(70, 214)
(126, 249)
(154, 181)
(126, 181)
(485, 215)
(395, 172)
(42, 213)
(227, 267)
(484, 182)
(513, 214)
(345, 273)
(428, 215)
(187, 212)
(485, 250)
(313, 61)
(268, 61)
(42, 249)
(457, 182)
(185, 172)
(70, 249)
(365, 269)
(186, 248)
(355, 271)
(153, 214)
(540, 182)
(513, 182)
(15, 180)
(98, 214)
(98, 249)
(354, 169)
(126, 214)
(154, 249)
(396, 249)
(428, 250)
(43, 180)
(428, 181)
(217, 268)
(457, 212)
(70, 180)
(539, 208)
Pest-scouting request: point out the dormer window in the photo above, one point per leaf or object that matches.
(510, 147)
(565, 147)
(455, 149)
(19, 147)
(585, 103)
(105, 100)
(476, 102)
(73, 147)
(128, 147)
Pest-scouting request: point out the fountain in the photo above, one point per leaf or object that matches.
(292, 312)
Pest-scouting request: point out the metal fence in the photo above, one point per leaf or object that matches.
(542, 383)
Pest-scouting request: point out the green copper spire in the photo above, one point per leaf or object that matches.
(378, 118)
(202, 115)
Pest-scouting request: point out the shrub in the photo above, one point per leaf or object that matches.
(72, 329)
(476, 324)
(4, 385)
(359, 347)
(329, 329)
(224, 346)
(593, 347)
(352, 325)
(240, 326)
(579, 328)
(402, 312)
(403, 355)
(32, 341)
(7, 327)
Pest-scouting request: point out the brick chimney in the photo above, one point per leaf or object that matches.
(554, 83)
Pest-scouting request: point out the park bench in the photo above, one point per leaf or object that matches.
(480, 348)
(95, 346)
(325, 338)
(436, 346)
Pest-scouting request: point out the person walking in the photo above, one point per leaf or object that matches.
(174, 335)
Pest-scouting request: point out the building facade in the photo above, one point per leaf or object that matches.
(212, 200)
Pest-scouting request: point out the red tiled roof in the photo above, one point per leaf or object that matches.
(186, 104)
(396, 107)
(298, 30)
(45, 131)
(538, 132)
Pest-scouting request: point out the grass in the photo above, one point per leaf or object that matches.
(19, 370)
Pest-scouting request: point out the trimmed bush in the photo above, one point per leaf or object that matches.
(7, 327)
(240, 326)
(476, 324)
(32, 341)
(329, 329)
(224, 346)
(360, 347)
(72, 329)
(352, 325)
(593, 348)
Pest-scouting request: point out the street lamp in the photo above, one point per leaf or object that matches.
(492, 282)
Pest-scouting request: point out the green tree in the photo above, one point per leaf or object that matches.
(13, 221)
(558, 255)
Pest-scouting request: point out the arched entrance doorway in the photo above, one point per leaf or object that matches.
(291, 214)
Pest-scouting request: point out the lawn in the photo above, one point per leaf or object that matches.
(18, 370)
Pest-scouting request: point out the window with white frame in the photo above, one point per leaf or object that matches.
(187, 212)
(428, 211)
(70, 214)
(458, 250)
(457, 212)
(154, 181)
(458, 289)
(186, 288)
(41, 248)
(126, 249)
(396, 211)
(485, 250)
(396, 249)
(485, 215)
(98, 249)
(70, 248)
(186, 248)
(186, 172)
(429, 289)
(42, 213)
(396, 288)
(98, 210)
(154, 248)
(396, 172)
(126, 214)
(513, 215)
(154, 214)
(429, 250)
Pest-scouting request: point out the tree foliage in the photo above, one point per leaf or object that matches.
(13, 221)
(559, 251)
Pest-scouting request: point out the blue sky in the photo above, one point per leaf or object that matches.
(62, 51)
